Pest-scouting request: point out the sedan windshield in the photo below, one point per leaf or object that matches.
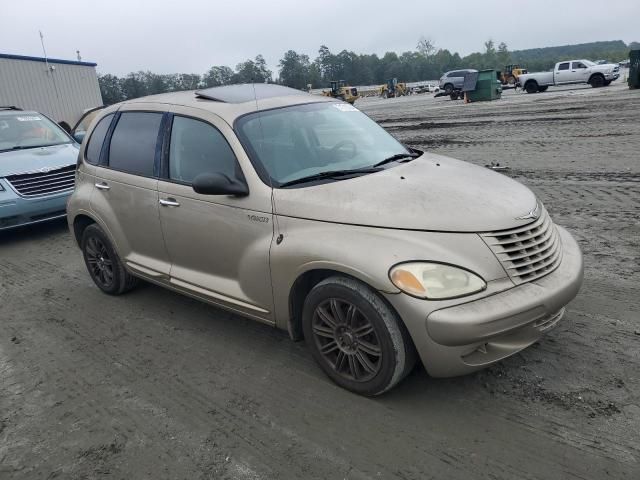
(29, 130)
(303, 141)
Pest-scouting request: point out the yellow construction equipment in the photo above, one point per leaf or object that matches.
(339, 89)
(393, 89)
(510, 75)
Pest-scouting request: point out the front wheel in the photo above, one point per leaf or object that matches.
(103, 264)
(448, 89)
(597, 81)
(543, 89)
(355, 337)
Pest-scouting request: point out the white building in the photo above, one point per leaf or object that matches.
(61, 89)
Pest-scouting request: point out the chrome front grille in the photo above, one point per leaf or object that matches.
(527, 252)
(43, 183)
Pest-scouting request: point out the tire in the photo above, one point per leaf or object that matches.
(355, 337)
(104, 265)
(454, 96)
(531, 86)
(596, 81)
(607, 83)
(448, 89)
(543, 89)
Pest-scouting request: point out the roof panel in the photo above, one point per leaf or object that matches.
(247, 92)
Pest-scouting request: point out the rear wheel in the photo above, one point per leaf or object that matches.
(355, 337)
(597, 81)
(103, 264)
(531, 86)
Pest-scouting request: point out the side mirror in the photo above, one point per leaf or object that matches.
(79, 136)
(219, 184)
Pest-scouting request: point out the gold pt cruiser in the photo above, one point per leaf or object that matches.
(301, 212)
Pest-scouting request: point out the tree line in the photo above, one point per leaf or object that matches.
(297, 70)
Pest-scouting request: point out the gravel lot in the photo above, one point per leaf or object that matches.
(155, 385)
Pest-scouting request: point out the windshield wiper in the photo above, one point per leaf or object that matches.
(330, 174)
(27, 147)
(397, 156)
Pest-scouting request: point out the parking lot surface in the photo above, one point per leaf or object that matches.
(155, 385)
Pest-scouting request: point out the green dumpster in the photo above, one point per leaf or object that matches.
(488, 87)
(634, 69)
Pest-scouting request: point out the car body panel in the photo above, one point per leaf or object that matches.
(411, 196)
(350, 249)
(17, 210)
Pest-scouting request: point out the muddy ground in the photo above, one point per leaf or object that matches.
(155, 385)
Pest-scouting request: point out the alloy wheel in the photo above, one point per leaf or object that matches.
(100, 263)
(347, 340)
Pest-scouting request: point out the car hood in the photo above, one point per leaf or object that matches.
(432, 193)
(36, 159)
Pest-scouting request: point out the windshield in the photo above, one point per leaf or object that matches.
(303, 140)
(589, 63)
(29, 130)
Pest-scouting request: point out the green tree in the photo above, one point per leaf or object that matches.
(252, 71)
(217, 76)
(110, 89)
(134, 85)
(295, 70)
(503, 56)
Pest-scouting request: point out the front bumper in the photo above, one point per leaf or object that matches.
(458, 339)
(17, 211)
(612, 76)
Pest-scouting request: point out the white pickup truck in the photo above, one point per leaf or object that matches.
(568, 72)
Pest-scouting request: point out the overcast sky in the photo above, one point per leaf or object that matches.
(188, 36)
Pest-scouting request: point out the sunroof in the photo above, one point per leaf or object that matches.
(246, 92)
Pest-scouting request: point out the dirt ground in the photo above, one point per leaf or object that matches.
(155, 385)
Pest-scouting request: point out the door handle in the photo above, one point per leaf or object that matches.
(169, 202)
(102, 186)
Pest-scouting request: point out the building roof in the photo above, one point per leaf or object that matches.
(49, 60)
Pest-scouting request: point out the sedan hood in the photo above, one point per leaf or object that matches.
(431, 193)
(35, 159)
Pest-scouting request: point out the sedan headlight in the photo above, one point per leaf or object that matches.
(435, 281)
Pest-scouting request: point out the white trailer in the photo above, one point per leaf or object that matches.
(61, 89)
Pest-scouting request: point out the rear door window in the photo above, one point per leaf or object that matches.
(134, 141)
(94, 146)
(198, 147)
(563, 66)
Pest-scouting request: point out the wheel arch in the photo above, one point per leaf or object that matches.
(532, 82)
(80, 223)
(596, 74)
(305, 282)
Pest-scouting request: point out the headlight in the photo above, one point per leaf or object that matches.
(435, 281)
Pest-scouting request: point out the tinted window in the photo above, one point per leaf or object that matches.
(563, 66)
(92, 153)
(197, 147)
(133, 144)
(578, 65)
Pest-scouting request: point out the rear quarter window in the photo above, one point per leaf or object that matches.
(94, 146)
(133, 143)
